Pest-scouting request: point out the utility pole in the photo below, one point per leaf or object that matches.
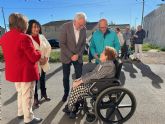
(4, 19)
(142, 13)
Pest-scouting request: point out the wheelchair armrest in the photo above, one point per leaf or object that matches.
(104, 80)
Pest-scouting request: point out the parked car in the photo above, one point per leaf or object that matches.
(54, 43)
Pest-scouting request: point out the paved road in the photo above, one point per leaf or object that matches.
(145, 81)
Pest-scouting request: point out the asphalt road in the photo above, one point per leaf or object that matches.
(145, 81)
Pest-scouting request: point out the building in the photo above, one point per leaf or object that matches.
(121, 26)
(51, 30)
(2, 31)
(154, 25)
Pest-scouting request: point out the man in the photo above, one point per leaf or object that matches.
(72, 44)
(21, 65)
(101, 38)
(139, 36)
(127, 41)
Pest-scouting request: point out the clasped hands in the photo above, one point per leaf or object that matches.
(74, 57)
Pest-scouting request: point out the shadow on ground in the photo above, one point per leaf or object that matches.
(147, 72)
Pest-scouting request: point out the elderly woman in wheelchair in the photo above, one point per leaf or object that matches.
(102, 86)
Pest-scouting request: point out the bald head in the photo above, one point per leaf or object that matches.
(103, 25)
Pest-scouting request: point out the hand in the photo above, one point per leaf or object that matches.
(74, 57)
(135, 36)
(76, 83)
(96, 56)
(43, 61)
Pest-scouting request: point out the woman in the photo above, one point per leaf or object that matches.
(121, 40)
(81, 85)
(21, 65)
(41, 44)
(127, 39)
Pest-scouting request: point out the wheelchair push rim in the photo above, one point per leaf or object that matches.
(115, 104)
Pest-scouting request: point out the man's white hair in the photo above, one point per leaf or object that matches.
(80, 15)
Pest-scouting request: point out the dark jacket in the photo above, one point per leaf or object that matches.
(141, 35)
(68, 43)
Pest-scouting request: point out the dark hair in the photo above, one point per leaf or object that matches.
(118, 29)
(31, 22)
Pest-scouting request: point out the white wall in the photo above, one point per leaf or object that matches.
(154, 24)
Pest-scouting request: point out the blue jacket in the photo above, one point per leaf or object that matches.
(141, 35)
(99, 41)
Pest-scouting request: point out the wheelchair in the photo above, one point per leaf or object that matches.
(109, 101)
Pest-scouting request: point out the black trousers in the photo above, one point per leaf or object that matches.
(66, 74)
(42, 85)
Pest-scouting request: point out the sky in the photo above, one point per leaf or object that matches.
(117, 11)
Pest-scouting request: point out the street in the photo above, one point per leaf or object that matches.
(146, 81)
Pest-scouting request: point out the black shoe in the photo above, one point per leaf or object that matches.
(72, 115)
(36, 103)
(66, 110)
(35, 121)
(138, 60)
(45, 97)
(20, 117)
(64, 98)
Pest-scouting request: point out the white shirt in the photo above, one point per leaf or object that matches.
(76, 33)
(121, 39)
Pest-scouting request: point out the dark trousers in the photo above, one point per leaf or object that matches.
(42, 85)
(90, 57)
(124, 51)
(66, 74)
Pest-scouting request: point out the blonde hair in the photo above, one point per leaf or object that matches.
(110, 52)
(18, 21)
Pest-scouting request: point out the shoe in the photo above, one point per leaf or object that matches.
(64, 98)
(66, 110)
(35, 121)
(72, 115)
(20, 117)
(45, 97)
(138, 60)
(36, 103)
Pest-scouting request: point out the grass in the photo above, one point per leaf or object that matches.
(1, 55)
(55, 57)
(148, 46)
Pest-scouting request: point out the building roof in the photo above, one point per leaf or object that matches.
(119, 25)
(89, 25)
(56, 23)
(155, 12)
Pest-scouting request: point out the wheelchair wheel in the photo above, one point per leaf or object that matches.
(115, 105)
(91, 118)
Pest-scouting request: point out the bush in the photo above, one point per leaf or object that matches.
(162, 49)
(54, 56)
